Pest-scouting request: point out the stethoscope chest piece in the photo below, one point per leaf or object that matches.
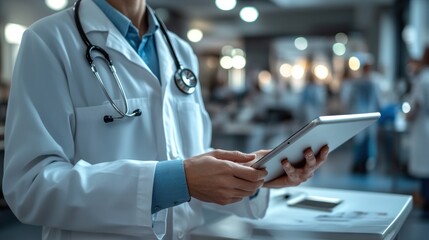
(186, 80)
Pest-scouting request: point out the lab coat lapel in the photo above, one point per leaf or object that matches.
(166, 62)
(117, 42)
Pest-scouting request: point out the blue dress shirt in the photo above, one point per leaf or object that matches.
(145, 46)
(170, 187)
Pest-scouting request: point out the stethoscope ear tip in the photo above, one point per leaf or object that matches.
(137, 112)
(108, 119)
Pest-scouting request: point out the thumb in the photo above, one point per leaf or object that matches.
(234, 156)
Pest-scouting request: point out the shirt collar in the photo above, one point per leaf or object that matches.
(152, 22)
(122, 23)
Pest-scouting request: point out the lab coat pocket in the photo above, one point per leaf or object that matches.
(191, 128)
(126, 138)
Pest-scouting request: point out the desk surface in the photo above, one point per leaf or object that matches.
(361, 215)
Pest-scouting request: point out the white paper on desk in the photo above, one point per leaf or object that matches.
(352, 216)
(302, 219)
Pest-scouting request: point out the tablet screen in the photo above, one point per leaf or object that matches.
(331, 130)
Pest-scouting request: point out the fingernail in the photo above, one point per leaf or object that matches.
(326, 151)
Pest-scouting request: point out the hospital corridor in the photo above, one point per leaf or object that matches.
(214, 119)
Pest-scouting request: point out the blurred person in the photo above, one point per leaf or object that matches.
(363, 97)
(413, 68)
(112, 141)
(418, 118)
(313, 98)
(345, 89)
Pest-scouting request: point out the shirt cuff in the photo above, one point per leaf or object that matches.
(170, 187)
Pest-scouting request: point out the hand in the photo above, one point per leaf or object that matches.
(220, 176)
(295, 176)
(258, 155)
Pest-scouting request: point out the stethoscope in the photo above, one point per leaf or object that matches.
(184, 78)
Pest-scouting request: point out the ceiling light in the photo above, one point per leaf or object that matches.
(341, 38)
(406, 107)
(339, 49)
(286, 70)
(227, 50)
(264, 78)
(226, 62)
(195, 35)
(354, 63)
(13, 33)
(249, 14)
(238, 62)
(237, 51)
(56, 4)
(226, 5)
(298, 71)
(321, 72)
(301, 43)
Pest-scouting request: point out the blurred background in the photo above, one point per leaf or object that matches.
(267, 67)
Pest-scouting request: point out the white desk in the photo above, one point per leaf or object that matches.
(381, 217)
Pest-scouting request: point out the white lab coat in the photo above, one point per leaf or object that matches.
(418, 164)
(78, 177)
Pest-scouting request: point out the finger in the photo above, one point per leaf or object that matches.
(323, 155)
(246, 186)
(239, 188)
(263, 151)
(259, 154)
(310, 159)
(324, 152)
(289, 169)
(249, 173)
(304, 174)
(234, 156)
(280, 182)
(295, 175)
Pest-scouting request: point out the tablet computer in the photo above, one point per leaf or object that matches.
(331, 130)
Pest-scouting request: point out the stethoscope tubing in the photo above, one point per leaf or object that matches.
(184, 78)
(89, 57)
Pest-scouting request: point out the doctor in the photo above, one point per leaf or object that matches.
(121, 151)
(418, 117)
